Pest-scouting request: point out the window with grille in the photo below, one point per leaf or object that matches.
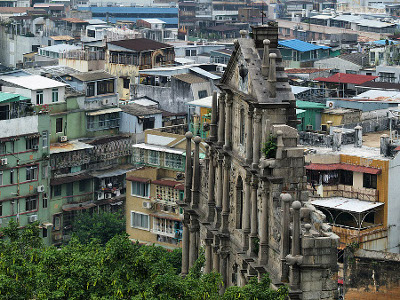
(370, 181)
(39, 97)
(59, 125)
(173, 161)
(31, 203)
(54, 95)
(31, 173)
(154, 157)
(32, 143)
(139, 220)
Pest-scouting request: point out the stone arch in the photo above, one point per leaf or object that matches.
(239, 202)
(157, 58)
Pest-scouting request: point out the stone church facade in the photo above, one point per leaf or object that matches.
(246, 203)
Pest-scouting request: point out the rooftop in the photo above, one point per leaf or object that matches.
(379, 96)
(346, 204)
(154, 21)
(10, 97)
(92, 76)
(135, 109)
(62, 38)
(73, 145)
(33, 82)
(347, 78)
(190, 78)
(309, 105)
(140, 44)
(300, 45)
(60, 48)
(304, 70)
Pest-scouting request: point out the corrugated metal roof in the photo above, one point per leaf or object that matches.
(299, 89)
(353, 168)
(159, 148)
(104, 111)
(190, 78)
(383, 42)
(168, 21)
(10, 97)
(205, 73)
(129, 10)
(92, 76)
(379, 95)
(300, 45)
(61, 48)
(347, 78)
(140, 44)
(68, 146)
(203, 102)
(346, 204)
(33, 82)
(309, 105)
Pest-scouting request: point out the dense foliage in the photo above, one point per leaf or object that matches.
(102, 226)
(118, 270)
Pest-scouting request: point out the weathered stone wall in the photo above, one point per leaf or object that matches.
(371, 275)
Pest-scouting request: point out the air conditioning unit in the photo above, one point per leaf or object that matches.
(3, 161)
(63, 138)
(32, 218)
(309, 127)
(147, 204)
(40, 188)
(330, 104)
(100, 196)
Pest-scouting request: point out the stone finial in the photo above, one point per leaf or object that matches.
(307, 227)
(197, 140)
(243, 34)
(265, 61)
(272, 75)
(286, 197)
(188, 135)
(358, 136)
(384, 145)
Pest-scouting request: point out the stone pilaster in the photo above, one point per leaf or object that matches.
(211, 186)
(256, 139)
(188, 168)
(208, 256)
(225, 198)
(285, 239)
(249, 136)
(221, 121)
(246, 212)
(294, 264)
(196, 173)
(263, 230)
(185, 245)
(228, 122)
(193, 250)
(218, 207)
(224, 271)
(254, 217)
(213, 125)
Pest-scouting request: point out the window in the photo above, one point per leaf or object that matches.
(173, 161)
(90, 89)
(12, 176)
(82, 185)
(370, 181)
(45, 232)
(346, 177)
(105, 87)
(387, 77)
(57, 190)
(31, 203)
(1, 209)
(202, 94)
(102, 119)
(187, 52)
(54, 95)
(127, 82)
(31, 173)
(148, 123)
(45, 137)
(140, 189)
(139, 220)
(242, 126)
(39, 97)
(1, 177)
(32, 143)
(2, 148)
(154, 157)
(44, 204)
(59, 125)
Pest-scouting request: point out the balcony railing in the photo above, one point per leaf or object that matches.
(79, 198)
(350, 235)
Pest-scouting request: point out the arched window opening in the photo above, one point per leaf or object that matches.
(239, 203)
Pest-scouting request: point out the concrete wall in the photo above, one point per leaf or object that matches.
(20, 126)
(393, 218)
(337, 63)
(371, 275)
(83, 65)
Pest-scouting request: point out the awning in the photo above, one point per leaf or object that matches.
(159, 148)
(138, 179)
(353, 168)
(78, 206)
(68, 179)
(346, 204)
(113, 172)
(166, 216)
(104, 111)
(171, 183)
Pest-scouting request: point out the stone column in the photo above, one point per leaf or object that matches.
(225, 198)
(196, 173)
(272, 75)
(211, 186)
(249, 136)
(215, 264)
(228, 122)
(294, 265)
(263, 230)
(256, 138)
(265, 61)
(221, 121)
(185, 245)
(208, 256)
(188, 168)
(285, 239)
(213, 125)
(224, 271)
(218, 206)
(246, 212)
(193, 251)
(254, 213)
(358, 136)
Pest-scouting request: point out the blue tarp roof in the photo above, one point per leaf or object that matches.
(168, 21)
(383, 42)
(300, 45)
(128, 10)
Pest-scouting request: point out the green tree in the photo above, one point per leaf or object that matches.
(102, 226)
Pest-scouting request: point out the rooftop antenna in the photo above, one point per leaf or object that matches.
(262, 13)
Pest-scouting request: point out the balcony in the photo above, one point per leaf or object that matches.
(79, 198)
(100, 101)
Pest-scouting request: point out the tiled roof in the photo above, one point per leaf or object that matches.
(92, 76)
(353, 168)
(347, 78)
(300, 45)
(140, 44)
(138, 110)
(190, 78)
(360, 59)
(304, 70)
